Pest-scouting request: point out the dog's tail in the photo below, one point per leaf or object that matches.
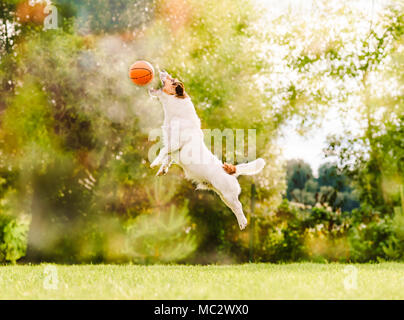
(250, 168)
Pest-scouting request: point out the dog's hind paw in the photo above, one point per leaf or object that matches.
(162, 171)
(242, 223)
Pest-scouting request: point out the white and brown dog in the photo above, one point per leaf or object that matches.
(183, 143)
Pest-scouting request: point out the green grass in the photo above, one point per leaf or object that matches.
(248, 281)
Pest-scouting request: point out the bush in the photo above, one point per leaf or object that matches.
(298, 232)
(13, 238)
(369, 241)
(14, 223)
(164, 236)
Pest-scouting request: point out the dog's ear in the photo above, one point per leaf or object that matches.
(179, 90)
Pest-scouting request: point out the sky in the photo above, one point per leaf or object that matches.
(310, 146)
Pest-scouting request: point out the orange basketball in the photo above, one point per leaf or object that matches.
(141, 73)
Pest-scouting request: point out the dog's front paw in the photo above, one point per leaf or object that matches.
(242, 223)
(154, 92)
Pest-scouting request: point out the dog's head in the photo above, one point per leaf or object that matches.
(172, 86)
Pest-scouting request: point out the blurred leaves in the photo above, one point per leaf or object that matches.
(163, 236)
(74, 130)
(14, 226)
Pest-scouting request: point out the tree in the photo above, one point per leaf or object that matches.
(374, 157)
(331, 187)
(298, 174)
(75, 133)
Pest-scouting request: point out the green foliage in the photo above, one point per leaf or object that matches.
(372, 241)
(398, 225)
(163, 236)
(297, 232)
(376, 169)
(13, 239)
(373, 157)
(164, 233)
(27, 124)
(330, 175)
(298, 173)
(107, 16)
(332, 187)
(74, 131)
(13, 229)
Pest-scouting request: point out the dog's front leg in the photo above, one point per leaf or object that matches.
(155, 93)
(172, 147)
(160, 158)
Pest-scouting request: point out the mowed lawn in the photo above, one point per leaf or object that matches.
(247, 281)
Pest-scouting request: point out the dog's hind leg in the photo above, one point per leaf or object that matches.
(235, 205)
(231, 200)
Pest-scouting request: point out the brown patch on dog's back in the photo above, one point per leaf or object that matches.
(229, 168)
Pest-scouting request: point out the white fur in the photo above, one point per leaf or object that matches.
(206, 170)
